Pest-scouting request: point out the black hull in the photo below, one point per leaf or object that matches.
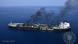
(37, 29)
(62, 30)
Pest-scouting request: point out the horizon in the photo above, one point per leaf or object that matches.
(11, 3)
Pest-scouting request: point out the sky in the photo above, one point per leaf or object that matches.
(32, 2)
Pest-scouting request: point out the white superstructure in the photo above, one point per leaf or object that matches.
(64, 25)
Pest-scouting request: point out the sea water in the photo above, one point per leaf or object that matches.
(22, 14)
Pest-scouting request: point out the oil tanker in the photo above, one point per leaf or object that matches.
(62, 26)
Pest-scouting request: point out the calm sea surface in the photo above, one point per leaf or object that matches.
(22, 14)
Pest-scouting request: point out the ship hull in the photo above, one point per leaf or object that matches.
(62, 30)
(38, 29)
